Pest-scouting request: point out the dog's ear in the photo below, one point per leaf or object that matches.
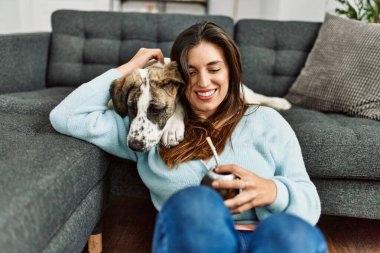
(173, 80)
(119, 94)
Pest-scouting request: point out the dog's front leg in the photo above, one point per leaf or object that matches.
(174, 129)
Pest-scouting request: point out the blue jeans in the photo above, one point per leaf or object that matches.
(195, 220)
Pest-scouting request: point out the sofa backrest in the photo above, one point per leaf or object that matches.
(85, 44)
(273, 52)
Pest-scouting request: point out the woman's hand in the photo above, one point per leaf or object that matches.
(141, 58)
(256, 191)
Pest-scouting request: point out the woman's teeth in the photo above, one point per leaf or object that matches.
(206, 94)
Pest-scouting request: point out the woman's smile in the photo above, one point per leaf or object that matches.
(209, 78)
(205, 94)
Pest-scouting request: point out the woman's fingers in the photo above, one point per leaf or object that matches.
(158, 55)
(233, 169)
(230, 184)
(141, 58)
(255, 190)
(242, 202)
(151, 53)
(242, 208)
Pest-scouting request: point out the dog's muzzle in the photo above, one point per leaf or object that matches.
(137, 145)
(143, 134)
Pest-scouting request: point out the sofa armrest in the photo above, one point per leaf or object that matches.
(23, 61)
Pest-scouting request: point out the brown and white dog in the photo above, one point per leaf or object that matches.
(149, 97)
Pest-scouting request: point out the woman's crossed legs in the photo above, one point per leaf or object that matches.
(195, 220)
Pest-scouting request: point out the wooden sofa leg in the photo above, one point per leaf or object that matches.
(95, 243)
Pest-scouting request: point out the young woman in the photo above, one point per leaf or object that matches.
(277, 205)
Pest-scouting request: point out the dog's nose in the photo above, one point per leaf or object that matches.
(136, 145)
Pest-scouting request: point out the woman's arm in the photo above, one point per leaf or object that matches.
(290, 190)
(84, 114)
(296, 194)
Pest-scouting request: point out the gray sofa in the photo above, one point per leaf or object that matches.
(54, 188)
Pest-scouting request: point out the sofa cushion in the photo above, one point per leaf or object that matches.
(86, 44)
(44, 175)
(23, 61)
(335, 145)
(39, 102)
(73, 235)
(352, 198)
(273, 52)
(125, 180)
(342, 73)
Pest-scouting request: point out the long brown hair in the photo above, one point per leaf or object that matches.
(221, 124)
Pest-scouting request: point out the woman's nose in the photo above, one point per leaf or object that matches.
(203, 80)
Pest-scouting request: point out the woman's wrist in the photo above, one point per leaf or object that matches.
(126, 68)
(282, 197)
(272, 191)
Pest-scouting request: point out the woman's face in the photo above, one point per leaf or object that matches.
(209, 78)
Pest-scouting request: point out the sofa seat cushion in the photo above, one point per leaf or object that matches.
(337, 146)
(44, 175)
(39, 102)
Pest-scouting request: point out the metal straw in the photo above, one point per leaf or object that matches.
(213, 149)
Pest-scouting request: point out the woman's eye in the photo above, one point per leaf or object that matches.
(192, 73)
(214, 70)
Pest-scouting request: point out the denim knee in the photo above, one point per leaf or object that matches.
(198, 203)
(195, 220)
(287, 233)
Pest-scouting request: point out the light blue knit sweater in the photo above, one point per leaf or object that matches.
(263, 142)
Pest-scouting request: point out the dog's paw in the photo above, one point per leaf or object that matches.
(173, 133)
(280, 104)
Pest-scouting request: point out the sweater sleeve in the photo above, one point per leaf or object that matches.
(84, 114)
(296, 194)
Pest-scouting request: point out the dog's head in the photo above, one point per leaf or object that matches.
(148, 96)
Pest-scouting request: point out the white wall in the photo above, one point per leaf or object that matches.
(307, 10)
(34, 15)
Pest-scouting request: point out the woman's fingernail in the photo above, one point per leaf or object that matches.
(214, 184)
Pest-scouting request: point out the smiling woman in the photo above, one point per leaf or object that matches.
(209, 80)
(252, 147)
(254, 143)
(210, 64)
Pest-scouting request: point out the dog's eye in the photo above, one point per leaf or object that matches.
(156, 110)
(132, 108)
